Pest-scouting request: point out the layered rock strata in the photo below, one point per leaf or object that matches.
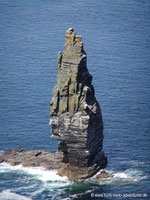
(76, 118)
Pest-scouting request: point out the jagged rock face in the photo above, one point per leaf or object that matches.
(76, 118)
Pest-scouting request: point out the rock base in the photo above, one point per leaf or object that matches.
(50, 161)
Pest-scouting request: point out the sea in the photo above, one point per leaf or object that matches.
(116, 38)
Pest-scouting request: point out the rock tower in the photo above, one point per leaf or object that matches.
(76, 118)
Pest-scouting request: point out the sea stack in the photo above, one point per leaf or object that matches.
(75, 114)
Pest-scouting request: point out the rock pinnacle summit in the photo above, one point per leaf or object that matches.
(75, 114)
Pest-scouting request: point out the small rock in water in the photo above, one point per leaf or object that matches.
(104, 174)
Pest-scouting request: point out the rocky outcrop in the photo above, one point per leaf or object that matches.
(32, 158)
(76, 121)
(76, 118)
(104, 174)
(49, 161)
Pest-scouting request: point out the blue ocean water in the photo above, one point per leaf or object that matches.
(116, 36)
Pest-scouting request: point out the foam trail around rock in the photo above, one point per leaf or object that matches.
(38, 172)
(52, 179)
(128, 176)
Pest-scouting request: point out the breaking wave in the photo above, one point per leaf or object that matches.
(37, 172)
(36, 181)
(128, 176)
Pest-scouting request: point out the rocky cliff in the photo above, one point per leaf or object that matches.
(76, 118)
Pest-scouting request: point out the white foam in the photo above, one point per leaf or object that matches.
(121, 175)
(46, 176)
(51, 180)
(7, 195)
(120, 178)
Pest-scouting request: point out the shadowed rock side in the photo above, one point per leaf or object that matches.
(76, 118)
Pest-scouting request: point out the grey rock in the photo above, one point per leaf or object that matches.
(76, 118)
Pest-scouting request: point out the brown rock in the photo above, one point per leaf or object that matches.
(104, 174)
(14, 163)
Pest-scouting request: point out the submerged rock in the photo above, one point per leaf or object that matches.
(104, 174)
(76, 117)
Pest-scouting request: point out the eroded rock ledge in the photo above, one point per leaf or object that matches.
(49, 161)
(32, 158)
